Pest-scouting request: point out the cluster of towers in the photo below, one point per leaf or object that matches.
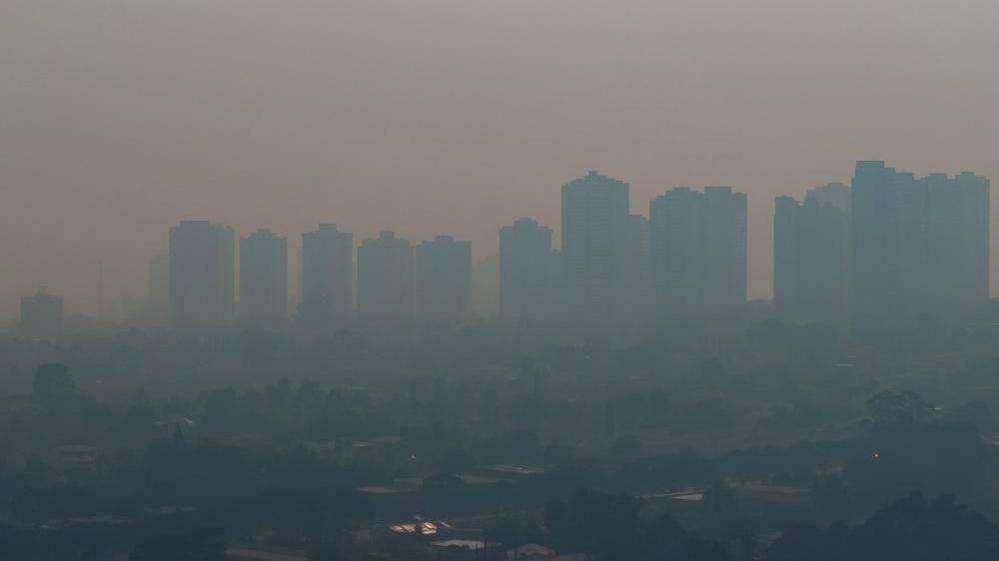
(688, 257)
(890, 245)
(395, 281)
(690, 253)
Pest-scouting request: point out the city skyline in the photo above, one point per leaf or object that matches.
(288, 116)
(83, 300)
(890, 245)
(468, 280)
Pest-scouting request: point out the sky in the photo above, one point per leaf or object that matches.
(119, 118)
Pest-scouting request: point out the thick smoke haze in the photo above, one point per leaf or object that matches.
(119, 118)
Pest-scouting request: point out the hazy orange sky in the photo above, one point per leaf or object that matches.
(119, 118)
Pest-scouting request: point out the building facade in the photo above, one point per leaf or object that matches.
(698, 251)
(811, 255)
(442, 278)
(675, 242)
(918, 246)
(263, 278)
(595, 216)
(385, 280)
(725, 247)
(525, 263)
(327, 278)
(202, 274)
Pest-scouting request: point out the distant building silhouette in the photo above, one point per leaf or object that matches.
(918, 245)
(725, 247)
(595, 215)
(327, 277)
(890, 246)
(442, 279)
(835, 195)
(811, 255)
(675, 239)
(958, 235)
(525, 272)
(385, 280)
(263, 278)
(41, 316)
(202, 274)
(698, 246)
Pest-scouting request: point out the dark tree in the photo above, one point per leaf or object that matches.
(906, 530)
(597, 523)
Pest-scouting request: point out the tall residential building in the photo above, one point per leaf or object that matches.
(835, 195)
(263, 278)
(442, 278)
(811, 255)
(385, 280)
(41, 315)
(327, 277)
(877, 232)
(959, 235)
(698, 246)
(595, 215)
(675, 241)
(725, 233)
(202, 274)
(918, 245)
(525, 263)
